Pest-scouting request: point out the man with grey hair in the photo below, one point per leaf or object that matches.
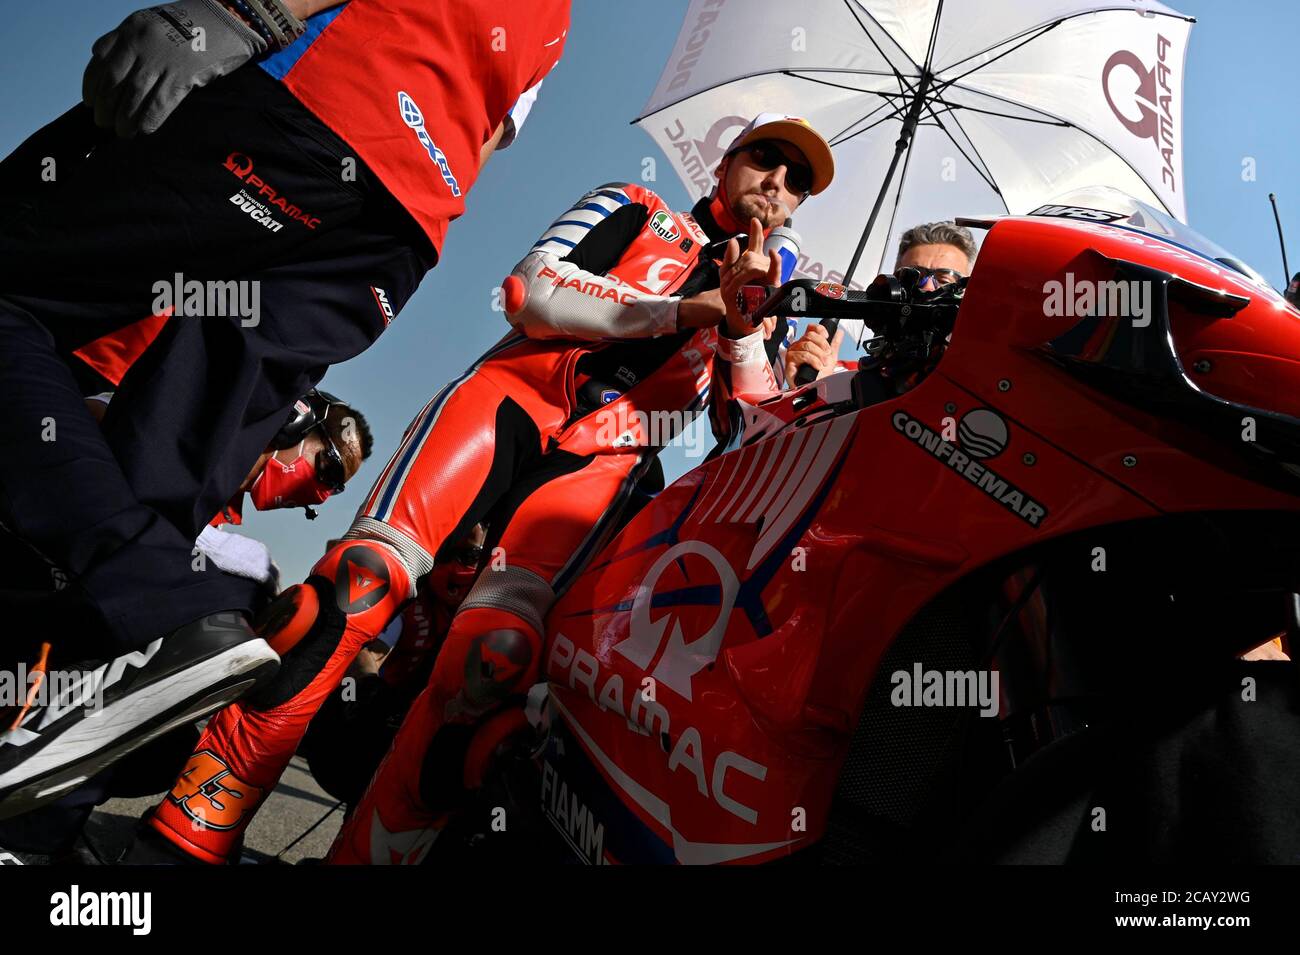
(942, 252)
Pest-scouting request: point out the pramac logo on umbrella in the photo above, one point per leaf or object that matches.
(1153, 98)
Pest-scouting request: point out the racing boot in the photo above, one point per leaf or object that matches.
(318, 627)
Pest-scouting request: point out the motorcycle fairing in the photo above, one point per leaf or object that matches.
(1141, 365)
(839, 530)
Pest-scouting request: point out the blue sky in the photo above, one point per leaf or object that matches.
(1240, 102)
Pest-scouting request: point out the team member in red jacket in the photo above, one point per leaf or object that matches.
(295, 180)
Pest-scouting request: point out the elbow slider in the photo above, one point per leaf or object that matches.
(513, 294)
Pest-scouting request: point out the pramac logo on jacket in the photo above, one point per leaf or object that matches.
(589, 287)
(260, 199)
(239, 164)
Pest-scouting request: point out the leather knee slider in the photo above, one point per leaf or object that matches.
(368, 579)
(288, 618)
(500, 658)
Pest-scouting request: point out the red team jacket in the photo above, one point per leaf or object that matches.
(417, 87)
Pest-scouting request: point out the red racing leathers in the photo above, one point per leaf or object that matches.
(543, 439)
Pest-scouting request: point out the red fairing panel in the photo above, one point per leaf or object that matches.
(713, 660)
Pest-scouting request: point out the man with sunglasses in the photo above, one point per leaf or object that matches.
(941, 252)
(614, 309)
(935, 253)
(319, 449)
(334, 440)
(931, 255)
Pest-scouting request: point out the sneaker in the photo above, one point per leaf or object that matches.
(52, 745)
(76, 856)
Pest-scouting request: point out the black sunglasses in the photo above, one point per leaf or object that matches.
(940, 276)
(330, 470)
(766, 155)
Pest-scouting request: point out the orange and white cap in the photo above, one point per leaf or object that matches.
(796, 131)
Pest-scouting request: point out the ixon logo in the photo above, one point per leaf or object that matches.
(413, 117)
(385, 307)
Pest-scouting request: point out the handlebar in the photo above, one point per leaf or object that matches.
(887, 306)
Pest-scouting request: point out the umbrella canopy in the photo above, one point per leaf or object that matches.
(933, 109)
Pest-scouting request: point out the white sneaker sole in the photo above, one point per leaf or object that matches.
(99, 739)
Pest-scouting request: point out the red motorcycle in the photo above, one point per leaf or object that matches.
(984, 599)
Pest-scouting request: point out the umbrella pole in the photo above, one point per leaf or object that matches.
(904, 141)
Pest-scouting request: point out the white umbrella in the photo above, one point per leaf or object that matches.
(933, 109)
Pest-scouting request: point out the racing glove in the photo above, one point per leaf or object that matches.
(141, 71)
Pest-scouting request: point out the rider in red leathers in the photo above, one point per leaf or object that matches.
(544, 439)
(356, 725)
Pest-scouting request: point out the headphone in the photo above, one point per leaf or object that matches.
(308, 412)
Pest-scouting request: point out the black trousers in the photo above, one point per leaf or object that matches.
(243, 185)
